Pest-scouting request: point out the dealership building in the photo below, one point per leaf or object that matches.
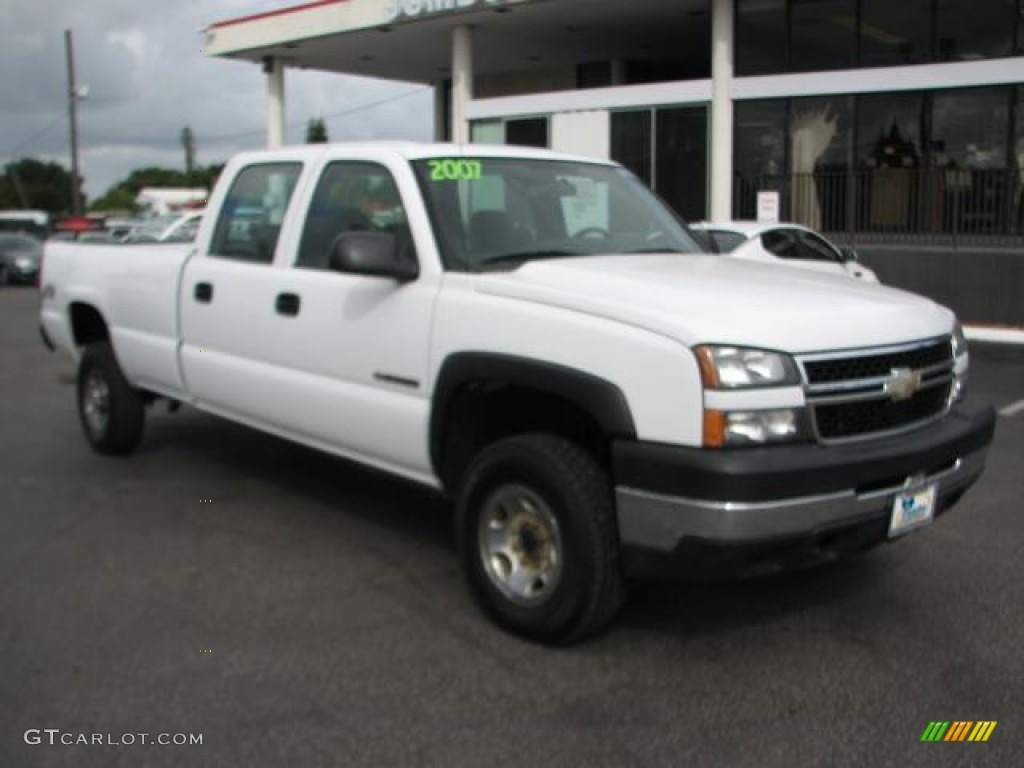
(896, 127)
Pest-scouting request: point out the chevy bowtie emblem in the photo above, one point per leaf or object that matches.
(902, 384)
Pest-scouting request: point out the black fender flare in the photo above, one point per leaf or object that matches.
(602, 400)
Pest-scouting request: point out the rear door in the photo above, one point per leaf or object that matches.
(228, 320)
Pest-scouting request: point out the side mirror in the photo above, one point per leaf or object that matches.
(849, 254)
(374, 254)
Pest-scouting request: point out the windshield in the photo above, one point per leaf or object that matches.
(496, 212)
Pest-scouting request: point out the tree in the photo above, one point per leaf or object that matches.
(44, 186)
(316, 131)
(121, 196)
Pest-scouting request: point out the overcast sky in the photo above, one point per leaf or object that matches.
(147, 80)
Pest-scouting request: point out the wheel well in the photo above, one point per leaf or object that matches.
(87, 325)
(482, 412)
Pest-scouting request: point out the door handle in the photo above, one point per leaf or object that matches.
(203, 293)
(287, 304)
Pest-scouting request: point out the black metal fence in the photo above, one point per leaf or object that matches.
(951, 207)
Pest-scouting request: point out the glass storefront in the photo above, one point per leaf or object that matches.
(823, 34)
(775, 36)
(947, 161)
(761, 37)
(893, 34)
(667, 149)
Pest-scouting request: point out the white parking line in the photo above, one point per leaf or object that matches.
(1013, 409)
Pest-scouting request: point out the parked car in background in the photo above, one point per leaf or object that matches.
(177, 228)
(35, 223)
(20, 256)
(793, 244)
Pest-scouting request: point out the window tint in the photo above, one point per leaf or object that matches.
(251, 215)
(351, 196)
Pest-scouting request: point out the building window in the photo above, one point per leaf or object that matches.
(975, 30)
(889, 150)
(527, 132)
(823, 34)
(681, 160)
(761, 37)
(632, 143)
(760, 151)
(969, 128)
(487, 132)
(895, 33)
(667, 149)
(819, 135)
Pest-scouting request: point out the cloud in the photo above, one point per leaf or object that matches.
(148, 79)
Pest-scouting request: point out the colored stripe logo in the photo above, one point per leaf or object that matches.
(958, 730)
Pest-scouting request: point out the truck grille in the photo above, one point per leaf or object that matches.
(864, 393)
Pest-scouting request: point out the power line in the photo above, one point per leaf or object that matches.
(33, 138)
(219, 138)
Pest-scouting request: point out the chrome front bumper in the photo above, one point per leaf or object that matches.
(657, 522)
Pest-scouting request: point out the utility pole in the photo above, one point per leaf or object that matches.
(188, 141)
(76, 191)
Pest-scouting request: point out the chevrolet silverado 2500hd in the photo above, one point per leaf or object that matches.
(536, 335)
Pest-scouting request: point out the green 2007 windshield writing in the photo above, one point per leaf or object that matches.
(455, 170)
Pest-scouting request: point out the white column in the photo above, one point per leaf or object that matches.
(462, 82)
(722, 56)
(275, 101)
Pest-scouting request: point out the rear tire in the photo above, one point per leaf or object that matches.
(539, 539)
(111, 410)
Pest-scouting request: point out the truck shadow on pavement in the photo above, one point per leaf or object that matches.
(331, 494)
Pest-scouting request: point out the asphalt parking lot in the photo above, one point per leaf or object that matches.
(296, 610)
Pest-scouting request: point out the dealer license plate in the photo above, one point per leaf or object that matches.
(911, 510)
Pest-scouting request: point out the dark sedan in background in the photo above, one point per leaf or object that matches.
(20, 258)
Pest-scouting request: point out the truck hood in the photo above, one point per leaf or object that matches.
(699, 299)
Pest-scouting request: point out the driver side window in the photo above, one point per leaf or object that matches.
(351, 196)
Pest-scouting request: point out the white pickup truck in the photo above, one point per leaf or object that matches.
(536, 335)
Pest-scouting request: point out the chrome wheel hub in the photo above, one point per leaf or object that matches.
(520, 545)
(96, 403)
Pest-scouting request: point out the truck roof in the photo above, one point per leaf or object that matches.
(410, 150)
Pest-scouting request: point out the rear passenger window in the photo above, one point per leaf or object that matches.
(351, 196)
(251, 215)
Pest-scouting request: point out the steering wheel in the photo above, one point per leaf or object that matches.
(592, 232)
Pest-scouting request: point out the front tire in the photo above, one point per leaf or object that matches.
(538, 538)
(111, 410)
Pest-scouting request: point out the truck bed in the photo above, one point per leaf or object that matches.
(139, 286)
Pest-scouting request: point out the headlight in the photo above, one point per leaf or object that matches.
(751, 428)
(740, 368)
(23, 263)
(959, 342)
(961, 361)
